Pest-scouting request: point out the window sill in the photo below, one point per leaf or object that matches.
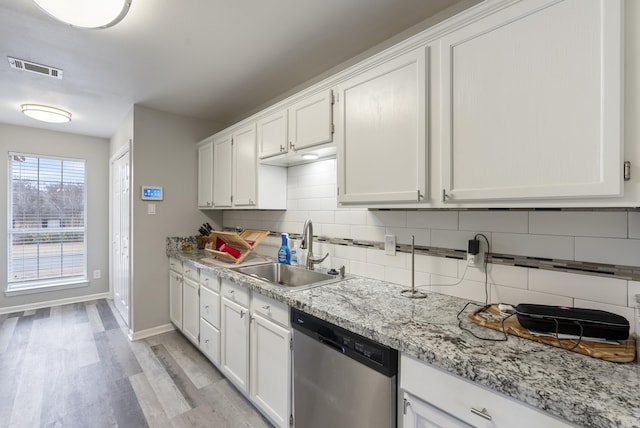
(46, 287)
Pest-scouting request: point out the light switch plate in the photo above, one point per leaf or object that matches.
(151, 209)
(390, 245)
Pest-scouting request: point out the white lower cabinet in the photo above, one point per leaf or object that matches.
(190, 310)
(235, 336)
(175, 298)
(271, 359)
(210, 342)
(210, 317)
(435, 398)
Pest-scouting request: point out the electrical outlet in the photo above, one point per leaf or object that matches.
(476, 260)
(390, 245)
(96, 274)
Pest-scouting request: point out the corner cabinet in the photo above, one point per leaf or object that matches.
(532, 103)
(381, 133)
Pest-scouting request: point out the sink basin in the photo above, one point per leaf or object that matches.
(292, 277)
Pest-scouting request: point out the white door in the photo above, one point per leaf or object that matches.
(120, 268)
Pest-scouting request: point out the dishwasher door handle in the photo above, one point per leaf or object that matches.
(332, 343)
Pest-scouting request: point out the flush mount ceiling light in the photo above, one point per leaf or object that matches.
(310, 156)
(86, 13)
(46, 113)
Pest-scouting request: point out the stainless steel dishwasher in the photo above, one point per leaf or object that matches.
(341, 379)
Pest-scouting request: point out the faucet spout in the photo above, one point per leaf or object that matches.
(307, 244)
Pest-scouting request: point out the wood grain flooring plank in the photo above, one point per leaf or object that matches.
(195, 365)
(151, 407)
(203, 416)
(121, 352)
(42, 313)
(94, 318)
(87, 352)
(180, 379)
(232, 406)
(109, 321)
(11, 362)
(115, 313)
(6, 331)
(125, 406)
(167, 392)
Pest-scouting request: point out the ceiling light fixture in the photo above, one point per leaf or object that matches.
(86, 13)
(310, 156)
(46, 113)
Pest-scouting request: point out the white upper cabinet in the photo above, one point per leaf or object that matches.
(381, 133)
(272, 134)
(531, 104)
(222, 170)
(205, 175)
(311, 121)
(244, 167)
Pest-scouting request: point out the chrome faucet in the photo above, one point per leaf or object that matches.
(307, 244)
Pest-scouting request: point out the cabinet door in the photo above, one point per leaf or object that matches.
(311, 121)
(272, 135)
(205, 175)
(271, 369)
(210, 341)
(235, 343)
(419, 414)
(222, 178)
(381, 138)
(531, 109)
(175, 299)
(210, 306)
(244, 167)
(190, 310)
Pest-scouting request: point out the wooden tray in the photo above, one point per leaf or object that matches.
(237, 241)
(624, 352)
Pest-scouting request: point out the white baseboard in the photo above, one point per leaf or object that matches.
(143, 334)
(50, 303)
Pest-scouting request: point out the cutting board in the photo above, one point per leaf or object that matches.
(622, 352)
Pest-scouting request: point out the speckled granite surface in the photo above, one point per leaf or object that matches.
(583, 390)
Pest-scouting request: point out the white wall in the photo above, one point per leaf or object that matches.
(96, 153)
(163, 154)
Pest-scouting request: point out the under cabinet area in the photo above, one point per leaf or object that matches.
(531, 110)
(432, 397)
(381, 133)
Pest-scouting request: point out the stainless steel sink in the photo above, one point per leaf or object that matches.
(292, 277)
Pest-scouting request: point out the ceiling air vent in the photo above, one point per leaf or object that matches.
(21, 64)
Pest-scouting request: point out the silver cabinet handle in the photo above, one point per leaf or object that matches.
(206, 281)
(482, 413)
(206, 306)
(292, 146)
(242, 314)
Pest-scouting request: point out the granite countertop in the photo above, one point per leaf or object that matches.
(580, 389)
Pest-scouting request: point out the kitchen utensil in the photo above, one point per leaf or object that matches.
(412, 293)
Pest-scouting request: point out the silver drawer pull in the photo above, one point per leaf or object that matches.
(266, 308)
(242, 314)
(482, 413)
(206, 306)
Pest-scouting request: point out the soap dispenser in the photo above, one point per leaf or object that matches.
(284, 254)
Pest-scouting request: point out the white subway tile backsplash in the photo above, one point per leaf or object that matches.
(544, 246)
(397, 276)
(367, 233)
(612, 224)
(510, 276)
(634, 224)
(336, 230)
(457, 240)
(380, 258)
(351, 217)
(435, 265)
(624, 311)
(495, 221)
(368, 270)
(352, 253)
(470, 290)
(596, 288)
(634, 289)
(403, 236)
(607, 250)
(433, 219)
(322, 217)
(515, 296)
(387, 218)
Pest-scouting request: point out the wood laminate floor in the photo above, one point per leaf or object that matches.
(73, 366)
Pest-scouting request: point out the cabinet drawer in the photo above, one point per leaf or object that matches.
(175, 265)
(210, 281)
(190, 271)
(210, 341)
(465, 400)
(210, 306)
(271, 309)
(235, 293)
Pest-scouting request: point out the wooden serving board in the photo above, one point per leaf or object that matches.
(623, 352)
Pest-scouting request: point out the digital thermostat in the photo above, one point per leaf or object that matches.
(151, 193)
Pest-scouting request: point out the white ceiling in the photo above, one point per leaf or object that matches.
(209, 59)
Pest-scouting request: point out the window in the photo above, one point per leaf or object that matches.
(47, 222)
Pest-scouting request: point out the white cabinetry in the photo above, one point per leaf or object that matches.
(270, 373)
(190, 303)
(380, 133)
(435, 398)
(235, 334)
(311, 121)
(272, 134)
(210, 317)
(205, 175)
(175, 292)
(222, 170)
(531, 109)
(244, 167)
